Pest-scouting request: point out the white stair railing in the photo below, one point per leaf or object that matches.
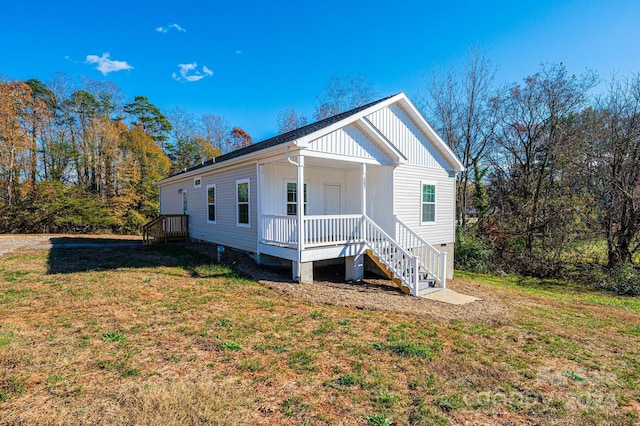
(403, 264)
(432, 261)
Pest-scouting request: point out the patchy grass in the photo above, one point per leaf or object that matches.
(162, 336)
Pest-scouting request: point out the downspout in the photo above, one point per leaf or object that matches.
(300, 211)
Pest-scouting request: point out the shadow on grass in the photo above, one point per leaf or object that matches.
(72, 255)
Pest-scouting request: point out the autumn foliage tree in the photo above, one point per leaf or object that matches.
(239, 138)
(73, 158)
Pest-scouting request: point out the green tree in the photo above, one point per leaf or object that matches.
(148, 116)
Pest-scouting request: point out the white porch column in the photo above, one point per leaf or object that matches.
(259, 224)
(363, 201)
(300, 201)
(301, 272)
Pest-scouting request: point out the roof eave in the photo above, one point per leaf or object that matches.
(252, 156)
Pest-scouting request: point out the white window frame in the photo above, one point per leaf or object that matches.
(215, 196)
(423, 203)
(248, 203)
(197, 182)
(286, 197)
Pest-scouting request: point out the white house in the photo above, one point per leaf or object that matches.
(378, 181)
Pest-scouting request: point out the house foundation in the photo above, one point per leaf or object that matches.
(302, 272)
(354, 268)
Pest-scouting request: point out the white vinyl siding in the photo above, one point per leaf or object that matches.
(380, 187)
(351, 142)
(171, 198)
(211, 203)
(407, 184)
(224, 231)
(276, 175)
(401, 131)
(243, 204)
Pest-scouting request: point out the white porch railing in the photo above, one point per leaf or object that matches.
(332, 229)
(433, 261)
(409, 256)
(280, 230)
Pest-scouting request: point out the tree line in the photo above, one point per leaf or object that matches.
(75, 158)
(552, 169)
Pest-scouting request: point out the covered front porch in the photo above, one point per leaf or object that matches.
(346, 211)
(334, 199)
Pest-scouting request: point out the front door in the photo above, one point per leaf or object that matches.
(332, 195)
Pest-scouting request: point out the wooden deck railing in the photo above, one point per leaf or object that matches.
(165, 228)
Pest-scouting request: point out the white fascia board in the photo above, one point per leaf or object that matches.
(303, 142)
(447, 152)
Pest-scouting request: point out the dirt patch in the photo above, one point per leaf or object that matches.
(373, 293)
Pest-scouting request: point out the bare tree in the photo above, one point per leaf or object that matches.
(342, 94)
(527, 182)
(217, 130)
(610, 162)
(288, 119)
(459, 104)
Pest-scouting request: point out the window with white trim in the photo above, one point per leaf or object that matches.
(211, 204)
(197, 182)
(292, 199)
(242, 194)
(428, 203)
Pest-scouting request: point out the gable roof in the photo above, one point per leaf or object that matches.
(303, 133)
(284, 137)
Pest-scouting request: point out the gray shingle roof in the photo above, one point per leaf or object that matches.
(285, 137)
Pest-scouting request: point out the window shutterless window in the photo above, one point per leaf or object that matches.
(428, 203)
(197, 182)
(292, 199)
(211, 203)
(242, 187)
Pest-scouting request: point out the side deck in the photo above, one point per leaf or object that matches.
(165, 228)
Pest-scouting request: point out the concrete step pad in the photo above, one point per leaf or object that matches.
(447, 296)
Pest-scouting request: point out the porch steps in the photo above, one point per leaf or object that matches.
(388, 272)
(426, 285)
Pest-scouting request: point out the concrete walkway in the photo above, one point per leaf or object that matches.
(449, 296)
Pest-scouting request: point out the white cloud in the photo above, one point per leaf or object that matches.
(171, 27)
(190, 72)
(106, 65)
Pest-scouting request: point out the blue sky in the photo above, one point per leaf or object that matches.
(246, 60)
